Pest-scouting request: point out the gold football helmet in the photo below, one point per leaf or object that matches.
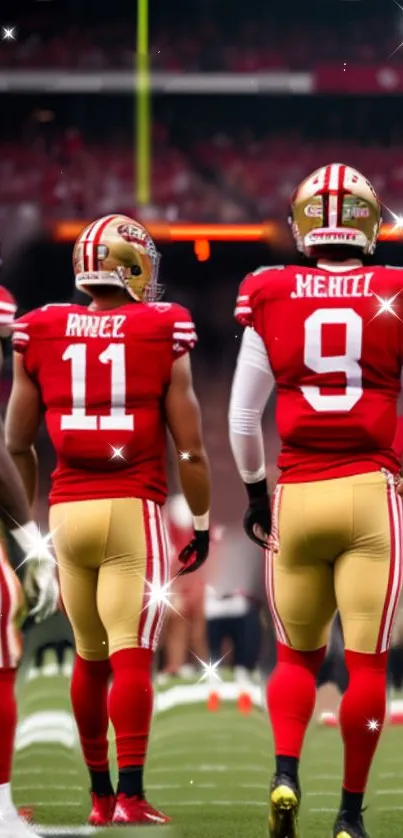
(117, 250)
(336, 205)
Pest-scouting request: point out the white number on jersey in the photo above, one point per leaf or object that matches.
(78, 419)
(349, 363)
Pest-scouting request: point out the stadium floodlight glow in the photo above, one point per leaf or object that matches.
(267, 232)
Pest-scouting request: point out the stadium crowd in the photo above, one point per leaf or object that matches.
(221, 178)
(210, 43)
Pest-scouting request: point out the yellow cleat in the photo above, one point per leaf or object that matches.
(284, 806)
(343, 829)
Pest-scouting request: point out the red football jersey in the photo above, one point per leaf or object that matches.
(334, 339)
(102, 377)
(8, 308)
(398, 440)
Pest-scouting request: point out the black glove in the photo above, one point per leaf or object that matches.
(195, 553)
(258, 513)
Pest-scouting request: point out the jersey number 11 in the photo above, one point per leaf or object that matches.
(78, 419)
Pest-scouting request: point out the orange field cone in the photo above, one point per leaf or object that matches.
(244, 703)
(213, 702)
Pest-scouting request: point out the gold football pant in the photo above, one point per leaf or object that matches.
(111, 554)
(339, 547)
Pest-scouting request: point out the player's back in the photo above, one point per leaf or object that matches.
(103, 376)
(334, 338)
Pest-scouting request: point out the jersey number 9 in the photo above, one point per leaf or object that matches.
(349, 363)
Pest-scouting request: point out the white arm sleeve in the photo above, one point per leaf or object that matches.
(253, 382)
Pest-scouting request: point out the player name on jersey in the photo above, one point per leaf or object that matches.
(94, 326)
(332, 285)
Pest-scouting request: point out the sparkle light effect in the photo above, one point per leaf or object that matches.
(401, 43)
(185, 456)
(398, 219)
(117, 453)
(8, 33)
(209, 669)
(158, 594)
(385, 306)
(373, 725)
(38, 548)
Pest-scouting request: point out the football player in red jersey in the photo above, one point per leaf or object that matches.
(398, 440)
(330, 339)
(112, 378)
(41, 594)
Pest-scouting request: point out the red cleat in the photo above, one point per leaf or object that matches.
(137, 810)
(102, 809)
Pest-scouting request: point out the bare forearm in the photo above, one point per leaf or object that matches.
(194, 474)
(14, 506)
(26, 463)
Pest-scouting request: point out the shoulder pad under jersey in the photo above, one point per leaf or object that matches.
(54, 305)
(267, 268)
(181, 328)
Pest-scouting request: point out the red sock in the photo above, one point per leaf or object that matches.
(8, 723)
(363, 702)
(291, 694)
(131, 704)
(89, 698)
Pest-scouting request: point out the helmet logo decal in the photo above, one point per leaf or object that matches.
(132, 233)
(313, 211)
(137, 235)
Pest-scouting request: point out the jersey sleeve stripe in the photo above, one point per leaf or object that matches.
(20, 336)
(8, 307)
(186, 336)
(6, 319)
(243, 310)
(243, 297)
(186, 324)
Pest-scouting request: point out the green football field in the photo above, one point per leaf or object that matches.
(209, 771)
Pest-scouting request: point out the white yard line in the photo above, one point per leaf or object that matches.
(67, 831)
(56, 803)
(48, 787)
(381, 809)
(213, 751)
(42, 772)
(46, 751)
(201, 769)
(318, 777)
(187, 803)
